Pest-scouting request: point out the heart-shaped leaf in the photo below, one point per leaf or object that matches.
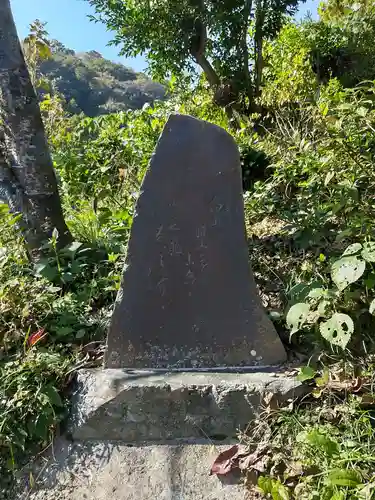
(297, 316)
(352, 249)
(280, 492)
(322, 308)
(306, 373)
(338, 329)
(346, 271)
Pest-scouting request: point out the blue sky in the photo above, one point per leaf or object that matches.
(67, 22)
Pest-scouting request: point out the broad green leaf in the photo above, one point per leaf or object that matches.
(361, 111)
(43, 268)
(67, 277)
(330, 175)
(368, 252)
(280, 492)
(347, 270)
(275, 315)
(272, 487)
(43, 49)
(345, 234)
(40, 265)
(338, 329)
(323, 379)
(297, 316)
(50, 273)
(64, 331)
(73, 247)
(4, 209)
(39, 427)
(353, 193)
(322, 307)
(372, 308)
(370, 281)
(320, 441)
(80, 334)
(344, 477)
(324, 109)
(299, 292)
(352, 249)
(54, 397)
(77, 267)
(316, 293)
(338, 206)
(306, 373)
(265, 484)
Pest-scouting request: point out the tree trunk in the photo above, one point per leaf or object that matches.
(211, 75)
(245, 52)
(27, 179)
(258, 42)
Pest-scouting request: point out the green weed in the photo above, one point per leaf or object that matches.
(321, 447)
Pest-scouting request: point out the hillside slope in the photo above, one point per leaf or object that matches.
(94, 85)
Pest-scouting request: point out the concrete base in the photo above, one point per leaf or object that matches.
(104, 471)
(153, 407)
(112, 408)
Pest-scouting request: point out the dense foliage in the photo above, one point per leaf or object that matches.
(308, 165)
(224, 38)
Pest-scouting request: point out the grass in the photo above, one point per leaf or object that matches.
(53, 319)
(321, 447)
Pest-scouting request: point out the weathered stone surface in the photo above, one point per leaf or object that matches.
(168, 407)
(113, 408)
(105, 470)
(188, 297)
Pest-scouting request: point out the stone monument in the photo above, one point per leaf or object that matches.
(188, 301)
(188, 298)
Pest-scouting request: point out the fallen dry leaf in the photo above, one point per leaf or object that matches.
(226, 461)
(36, 337)
(238, 458)
(251, 478)
(294, 471)
(349, 385)
(270, 401)
(256, 460)
(367, 400)
(260, 465)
